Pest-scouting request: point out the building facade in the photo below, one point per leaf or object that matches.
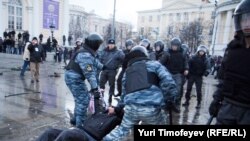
(174, 18)
(78, 22)
(224, 26)
(82, 23)
(35, 16)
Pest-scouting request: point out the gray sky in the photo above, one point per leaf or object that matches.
(125, 9)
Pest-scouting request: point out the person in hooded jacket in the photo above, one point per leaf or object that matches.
(199, 66)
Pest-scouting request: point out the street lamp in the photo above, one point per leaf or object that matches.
(113, 27)
(52, 28)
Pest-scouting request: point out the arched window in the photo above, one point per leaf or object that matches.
(15, 14)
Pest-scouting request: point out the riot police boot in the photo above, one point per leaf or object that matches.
(110, 100)
(72, 121)
(186, 103)
(116, 95)
(198, 105)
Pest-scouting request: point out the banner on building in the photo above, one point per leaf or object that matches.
(50, 13)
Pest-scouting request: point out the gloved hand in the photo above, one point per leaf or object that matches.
(104, 67)
(214, 107)
(95, 92)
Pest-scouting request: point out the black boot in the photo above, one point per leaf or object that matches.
(198, 105)
(110, 100)
(186, 103)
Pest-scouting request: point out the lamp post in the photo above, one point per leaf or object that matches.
(113, 27)
(52, 28)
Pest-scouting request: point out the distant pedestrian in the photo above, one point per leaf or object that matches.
(26, 58)
(35, 59)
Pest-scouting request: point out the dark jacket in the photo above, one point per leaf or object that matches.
(234, 75)
(175, 61)
(112, 59)
(199, 65)
(35, 53)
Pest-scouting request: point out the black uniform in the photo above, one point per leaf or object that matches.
(234, 87)
(198, 66)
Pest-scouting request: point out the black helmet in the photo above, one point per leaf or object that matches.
(94, 40)
(145, 43)
(176, 41)
(202, 48)
(139, 49)
(242, 16)
(129, 42)
(185, 48)
(160, 44)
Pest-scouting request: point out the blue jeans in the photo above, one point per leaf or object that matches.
(25, 64)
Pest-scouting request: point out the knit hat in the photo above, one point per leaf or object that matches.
(34, 38)
(111, 41)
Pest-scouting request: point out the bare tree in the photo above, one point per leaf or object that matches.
(77, 27)
(192, 34)
(108, 33)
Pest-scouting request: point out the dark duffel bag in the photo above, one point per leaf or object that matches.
(100, 124)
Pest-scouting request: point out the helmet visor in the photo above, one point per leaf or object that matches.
(245, 23)
(145, 44)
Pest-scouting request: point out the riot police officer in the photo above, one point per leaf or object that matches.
(232, 99)
(199, 66)
(146, 43)
(129, 44)
(84, 65)
(147, 86)
(177, 64)
(159, 49)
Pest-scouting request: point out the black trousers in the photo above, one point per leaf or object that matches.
(108, 76)
(198, 84)
(119, 83)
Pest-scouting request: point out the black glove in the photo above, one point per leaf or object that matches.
(95, 93)
(104, 67)
(214, 107)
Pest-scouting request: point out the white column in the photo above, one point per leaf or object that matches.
(162, 27)
(218, 26)
(227, 27)
(36, 22)
(66, 20)
(2, 18)
(30, 26)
